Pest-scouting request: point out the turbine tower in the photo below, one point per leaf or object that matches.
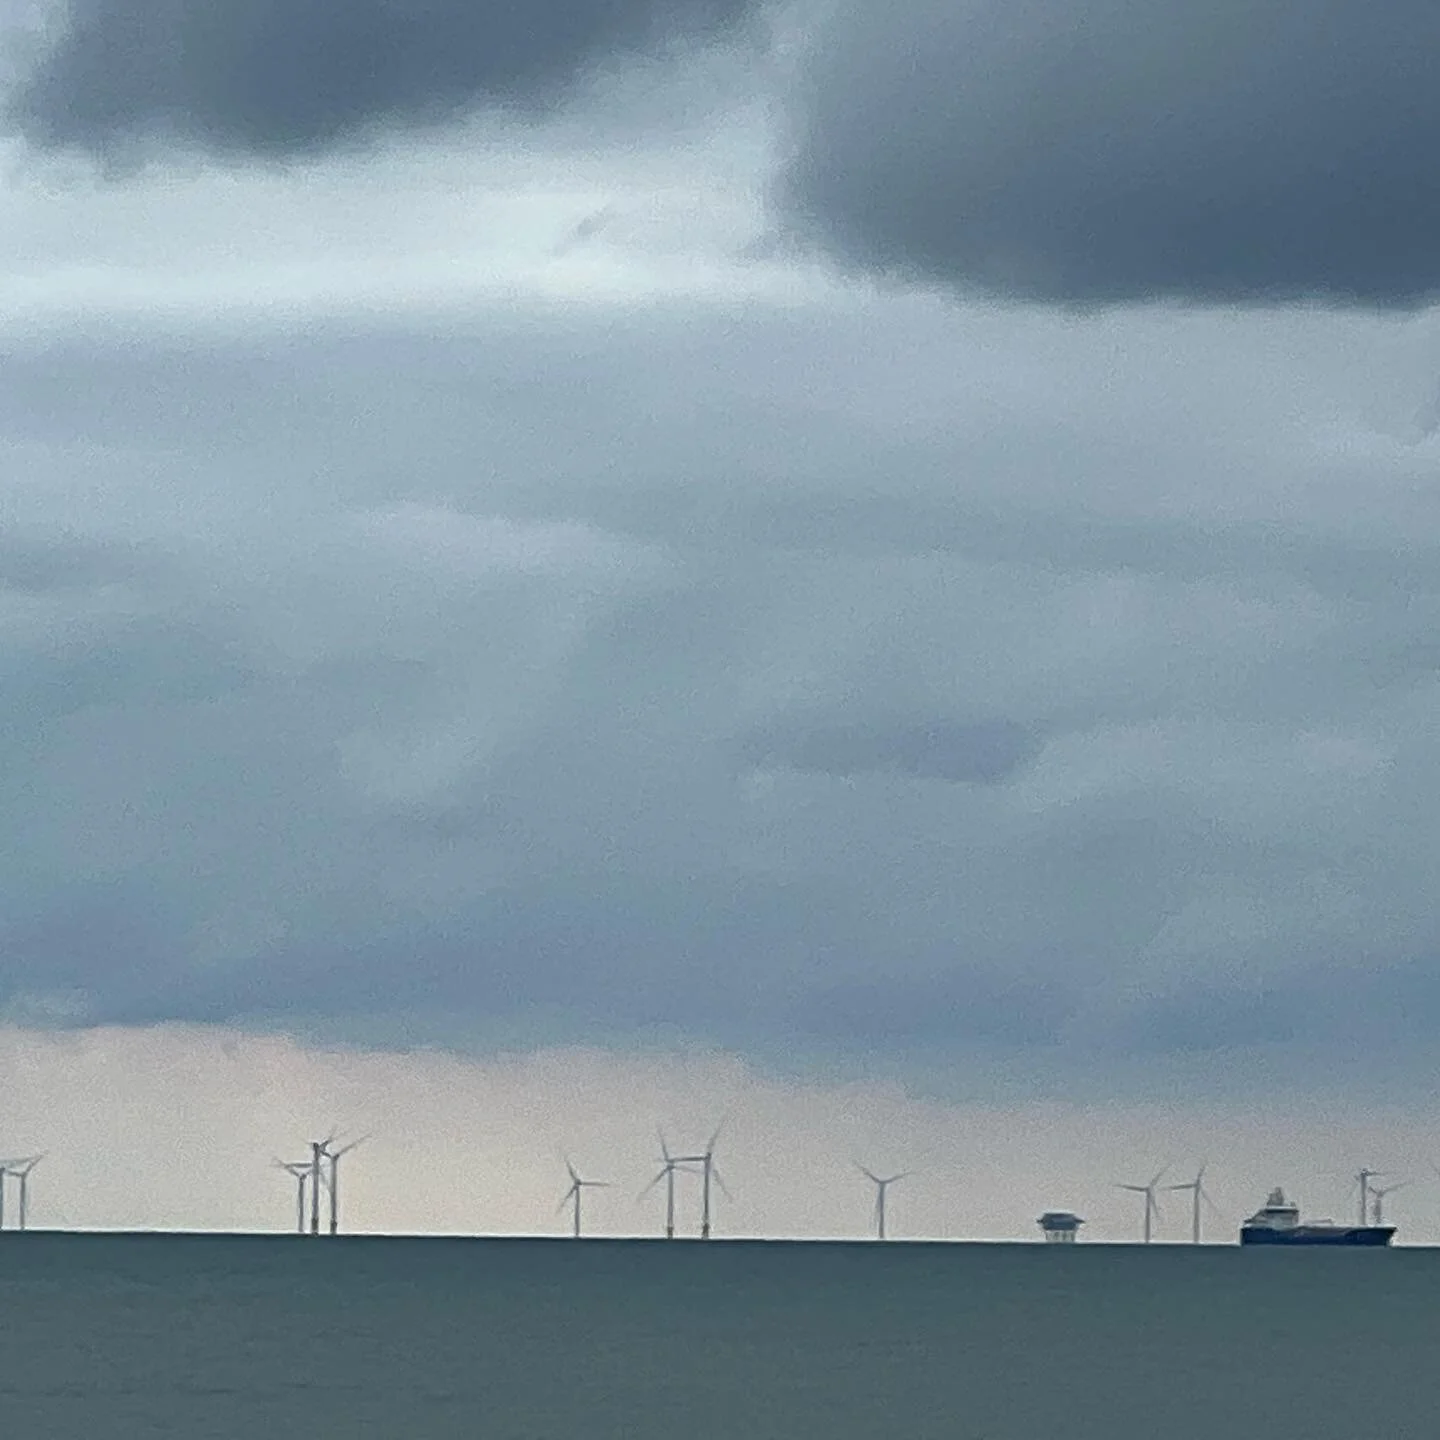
(1152, 1206)
(1198, 1193)
(882, 1185)
(572, 1195)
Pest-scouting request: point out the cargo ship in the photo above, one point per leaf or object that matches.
(1277, 1222)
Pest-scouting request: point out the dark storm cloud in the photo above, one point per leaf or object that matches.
(378, 678)
(281, 78)
(930, 750)
(1099, 151)
(583, 950)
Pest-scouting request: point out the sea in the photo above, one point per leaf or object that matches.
(205, 1337)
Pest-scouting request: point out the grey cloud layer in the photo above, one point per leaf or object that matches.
(277, 79)
(1116, 150)
(555, 671)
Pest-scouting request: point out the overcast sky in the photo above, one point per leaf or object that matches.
(826, 547)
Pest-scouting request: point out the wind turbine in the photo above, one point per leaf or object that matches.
(1378, 1194)
(1198, 1193)
(334, 1181)
(319, 1149)
(709, 1171)
(21, 1170)
(299, 1170)
(572, 1195)
(882, 1184)
(1152, 1207)
(669, 1164)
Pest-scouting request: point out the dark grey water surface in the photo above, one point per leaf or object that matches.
(222, 1337)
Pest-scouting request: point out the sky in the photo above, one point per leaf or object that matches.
(865, 572)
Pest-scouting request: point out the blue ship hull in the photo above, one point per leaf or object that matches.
(1370, 1235)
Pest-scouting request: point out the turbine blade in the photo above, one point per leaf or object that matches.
(720, 1181)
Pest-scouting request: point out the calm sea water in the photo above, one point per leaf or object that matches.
(425, 1339)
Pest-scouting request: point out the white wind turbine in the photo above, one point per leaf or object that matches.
(318, 1151)
(299, 1171)
(1152, 1206)
(669, 1165)
(709, 1174)
(23, 1172)
(322, 1155)
(882, 1185)
(573, 1194)
(1198, 1195)
(19, 1170)
(333, 1180)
